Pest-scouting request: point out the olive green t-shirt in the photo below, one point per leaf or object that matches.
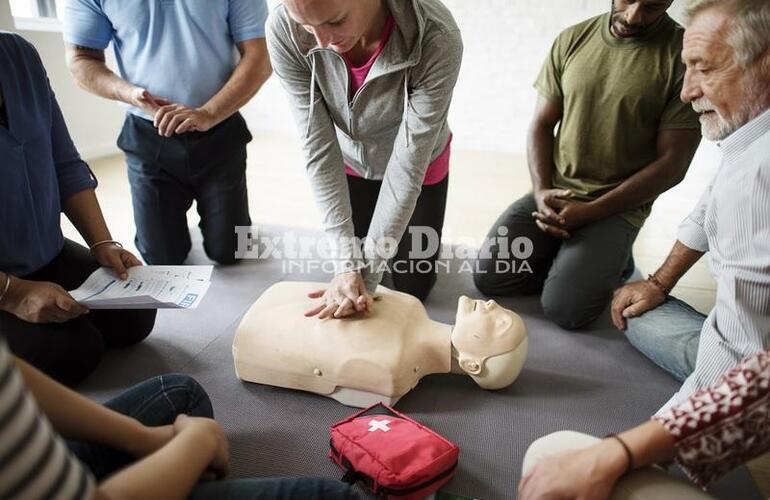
(616, 95)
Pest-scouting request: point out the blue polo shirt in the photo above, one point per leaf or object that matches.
(182, 50)
(39, 165)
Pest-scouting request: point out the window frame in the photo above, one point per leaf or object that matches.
(40, 22)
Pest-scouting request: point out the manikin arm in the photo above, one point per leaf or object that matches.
(592, 472)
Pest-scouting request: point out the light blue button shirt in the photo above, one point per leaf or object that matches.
(732, 223)
(181, 50)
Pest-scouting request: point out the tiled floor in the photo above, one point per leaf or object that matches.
(481, 186)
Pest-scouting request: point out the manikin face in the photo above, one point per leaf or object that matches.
(336, 24)
(484, 329)
(633, 18)
(725, 95)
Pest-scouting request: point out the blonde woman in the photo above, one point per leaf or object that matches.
(370, 83)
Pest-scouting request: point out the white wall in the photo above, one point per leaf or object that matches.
(506, 42)
(94, 123)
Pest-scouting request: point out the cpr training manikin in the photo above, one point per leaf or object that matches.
(378, 356)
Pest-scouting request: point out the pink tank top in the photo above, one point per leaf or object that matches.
(439, 168)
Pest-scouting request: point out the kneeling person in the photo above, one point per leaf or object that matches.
(44, 177)
(370, 84)
(612, 85)
(731, 222)
(185, 68)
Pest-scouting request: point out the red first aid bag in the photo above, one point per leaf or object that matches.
(394, 456)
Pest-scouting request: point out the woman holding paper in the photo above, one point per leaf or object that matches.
(41, 176)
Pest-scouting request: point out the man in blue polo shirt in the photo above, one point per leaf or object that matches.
(183, 82)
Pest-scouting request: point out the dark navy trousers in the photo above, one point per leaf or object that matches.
(168, 173)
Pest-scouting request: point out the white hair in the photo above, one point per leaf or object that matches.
(749, 33)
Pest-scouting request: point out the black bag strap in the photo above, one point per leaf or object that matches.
(351, 476)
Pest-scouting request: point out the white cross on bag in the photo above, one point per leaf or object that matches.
(379, 425)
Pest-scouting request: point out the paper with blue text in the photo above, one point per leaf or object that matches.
(147, 287)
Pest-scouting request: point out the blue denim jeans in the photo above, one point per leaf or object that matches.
(304, 488)
(158, 401)
(669, 336)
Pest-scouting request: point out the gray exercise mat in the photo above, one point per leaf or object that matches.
(592, 382)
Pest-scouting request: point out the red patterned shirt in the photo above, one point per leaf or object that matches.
(724, 425)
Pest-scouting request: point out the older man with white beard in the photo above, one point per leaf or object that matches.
(719, 419)
(727, 53)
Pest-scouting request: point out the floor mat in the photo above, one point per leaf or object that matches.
(592, 382)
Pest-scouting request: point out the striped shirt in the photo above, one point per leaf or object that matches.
(35, 463)
(732, 224)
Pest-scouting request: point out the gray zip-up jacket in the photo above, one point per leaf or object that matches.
(391, 130)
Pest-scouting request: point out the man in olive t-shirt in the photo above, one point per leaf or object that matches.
(612, 86)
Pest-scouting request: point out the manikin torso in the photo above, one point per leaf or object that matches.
(376, 357)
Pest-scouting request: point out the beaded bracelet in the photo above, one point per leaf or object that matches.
(655, 282)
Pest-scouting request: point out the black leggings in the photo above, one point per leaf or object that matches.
(575, 278)
(413, 276)
(69, 351)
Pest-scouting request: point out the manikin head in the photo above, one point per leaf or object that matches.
(490, 342)
(336, 24)
(727, 54)
(634, 18)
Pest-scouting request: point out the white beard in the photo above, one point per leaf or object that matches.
(714, 126)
